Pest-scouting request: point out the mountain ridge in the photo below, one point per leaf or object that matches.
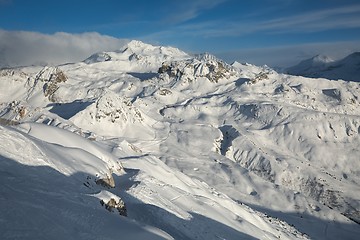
(207, 150)
(318, 66)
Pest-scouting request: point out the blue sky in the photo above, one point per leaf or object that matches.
(232, 29)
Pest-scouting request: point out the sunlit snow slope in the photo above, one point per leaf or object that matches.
(194, 147)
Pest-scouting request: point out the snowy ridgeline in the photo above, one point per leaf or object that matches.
(325, 67)
(149, 142)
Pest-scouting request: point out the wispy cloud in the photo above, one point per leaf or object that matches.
(320, 20)
(344, 17)
(166, 17)
(188, 9)
(24, 48)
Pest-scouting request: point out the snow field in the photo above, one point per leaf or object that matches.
(201, 150)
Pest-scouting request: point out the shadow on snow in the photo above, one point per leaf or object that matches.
(38, 202)
(43, 192)
(68, 110)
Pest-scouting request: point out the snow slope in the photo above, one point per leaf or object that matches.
(196, 148)
(325, 67)
(137, 56)
(48, 190)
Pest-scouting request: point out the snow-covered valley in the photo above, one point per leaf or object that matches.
(194, 147)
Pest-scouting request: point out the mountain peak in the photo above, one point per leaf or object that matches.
(321, 59)
(353, 57)
(137, 56)
(136, 45)
(141, 48)
(199, 140)
(323, 66)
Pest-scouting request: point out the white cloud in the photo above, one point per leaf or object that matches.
(318, 20)
(25, 48)
(188, 9)
(285, 56)
(335, 18)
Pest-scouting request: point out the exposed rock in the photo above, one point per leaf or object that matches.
(164, 92)
(22, 111)
(50, 77)
(51, 85)
(134, 57)
(98, 57)
(16, 74)
(112, 204)
(7, 122)
(202, 66)
(259, 77)
(117, 109)
(164, 68)
(108, 181)
(15, 111)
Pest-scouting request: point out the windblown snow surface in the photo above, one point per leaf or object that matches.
(196, 149)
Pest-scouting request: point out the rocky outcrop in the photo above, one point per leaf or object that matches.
(201, 66)
(49, 78)
(98, 57)
(116, 109)
(51, 85)
(107, 181)
(15, 111)
(113, 204)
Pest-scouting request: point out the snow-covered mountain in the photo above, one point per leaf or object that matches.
(324, 67)
(148, 142)
(138, 57)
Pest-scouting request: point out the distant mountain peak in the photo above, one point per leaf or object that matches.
(321, 59)
(353, 57)
(325, 67)
(317, 60)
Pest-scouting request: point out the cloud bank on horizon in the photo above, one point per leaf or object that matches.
(232, 29)
(19, 48)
